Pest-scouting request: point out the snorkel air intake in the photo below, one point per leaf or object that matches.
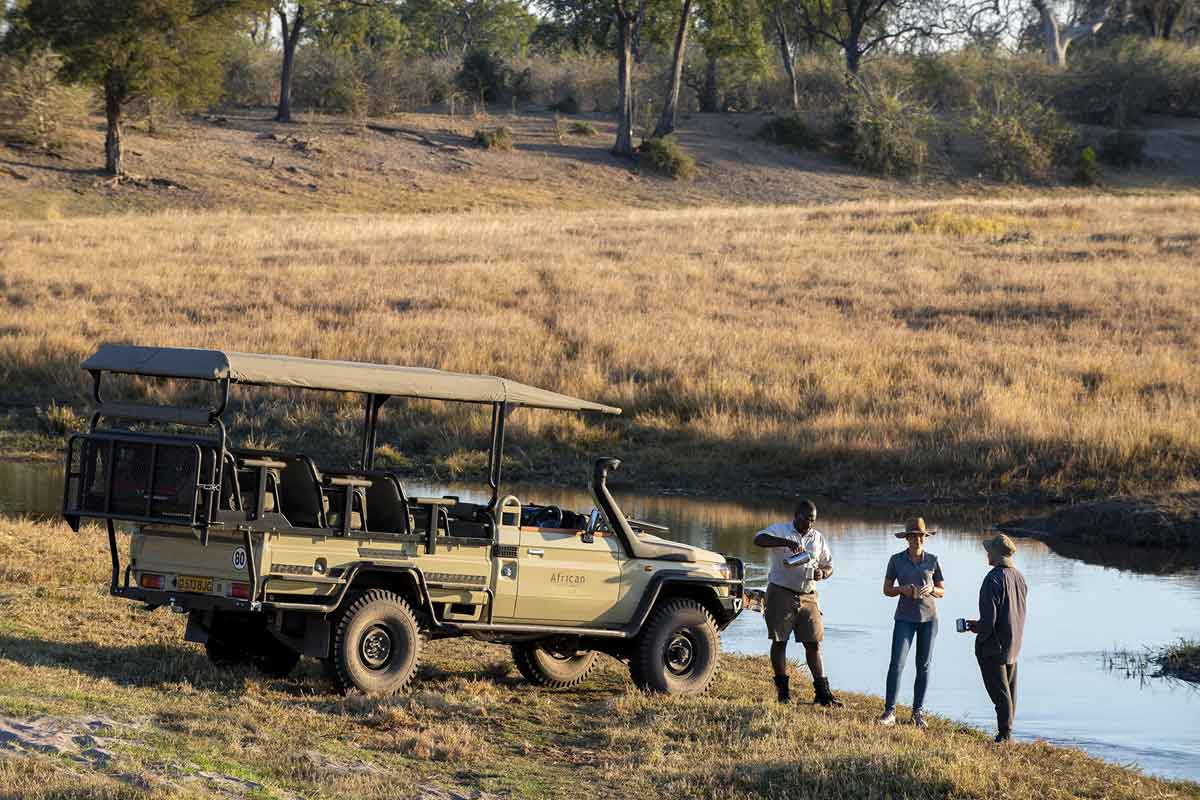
(609, 506)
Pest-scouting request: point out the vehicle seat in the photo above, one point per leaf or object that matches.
(300, 497)
(388, 504)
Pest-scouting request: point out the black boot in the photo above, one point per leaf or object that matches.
(824, 697)
(781, 688)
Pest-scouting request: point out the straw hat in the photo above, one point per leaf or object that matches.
(914, 525)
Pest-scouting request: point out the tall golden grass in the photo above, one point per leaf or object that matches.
(1042, 343)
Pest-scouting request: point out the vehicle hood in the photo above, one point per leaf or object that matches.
(698, 554)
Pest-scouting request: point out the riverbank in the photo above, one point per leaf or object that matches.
(157, 720)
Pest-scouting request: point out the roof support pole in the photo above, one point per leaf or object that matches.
(371, 428)
(496, 452)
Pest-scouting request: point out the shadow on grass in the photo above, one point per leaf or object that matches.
(874, 776)
(132, 665)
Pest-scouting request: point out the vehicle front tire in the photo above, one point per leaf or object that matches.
(678, 649)
(377, 646)
(542, 664)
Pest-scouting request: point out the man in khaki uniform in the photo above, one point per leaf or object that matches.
(792, 608)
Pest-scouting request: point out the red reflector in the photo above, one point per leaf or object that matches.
(151, 581)
(241, 590)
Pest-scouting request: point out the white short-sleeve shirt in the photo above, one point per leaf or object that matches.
(798, 579)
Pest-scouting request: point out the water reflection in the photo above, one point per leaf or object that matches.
(1078, 612)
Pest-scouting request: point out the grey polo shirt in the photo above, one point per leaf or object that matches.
(928, 572)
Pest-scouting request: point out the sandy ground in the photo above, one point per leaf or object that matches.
(428, 162)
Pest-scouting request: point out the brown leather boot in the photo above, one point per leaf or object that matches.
(781, 688)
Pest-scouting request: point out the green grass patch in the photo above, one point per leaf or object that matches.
(494, 138)
(666, 157)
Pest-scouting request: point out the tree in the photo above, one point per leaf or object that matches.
(627, 14)
(858, 27)
(666, 122)
(1057, 37)
(134, 48)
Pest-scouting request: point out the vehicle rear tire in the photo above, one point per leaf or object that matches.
(678, 649)
(377, 646)
(544, 665)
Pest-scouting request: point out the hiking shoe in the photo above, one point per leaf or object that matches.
(919, 720)
(887, 719)
(824, 697)
(1002, 738)
(782, 690)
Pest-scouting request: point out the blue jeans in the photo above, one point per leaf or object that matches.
(902, 637)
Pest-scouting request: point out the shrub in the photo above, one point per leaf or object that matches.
(1123, 148)
(568, 105)
(483, 76)
(251, 74)
(34, 106)
(494, 138)
(1087, 171)
(582, 129)
(1118, 84)
(1023, 139)
(329, 81)
(885, 131)
(790, 131)
(665, 156)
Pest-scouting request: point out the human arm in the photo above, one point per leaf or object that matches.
(890, 589)
(824, 559)
(989, 609)
(938, 588)
(765, 538)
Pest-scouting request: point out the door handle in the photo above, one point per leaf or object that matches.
(536, 551)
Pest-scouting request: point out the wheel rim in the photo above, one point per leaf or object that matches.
(680, 653)
(376, 647)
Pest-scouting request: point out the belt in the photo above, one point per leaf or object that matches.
(793, 591)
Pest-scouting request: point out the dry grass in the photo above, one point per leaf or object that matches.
(167, 724)
(994, 347)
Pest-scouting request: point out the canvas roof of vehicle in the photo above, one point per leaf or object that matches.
(342, 376)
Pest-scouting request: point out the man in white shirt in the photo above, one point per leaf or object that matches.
(792, 608)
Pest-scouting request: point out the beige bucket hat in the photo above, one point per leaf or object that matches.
(914, 525)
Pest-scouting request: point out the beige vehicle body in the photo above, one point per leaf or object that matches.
(272, 557)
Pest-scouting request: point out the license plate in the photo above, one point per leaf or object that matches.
(188, 583)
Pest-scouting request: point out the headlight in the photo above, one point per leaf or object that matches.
(725, 571)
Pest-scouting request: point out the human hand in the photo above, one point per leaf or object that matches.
(925, 590)
(973, 625)
(795, 547)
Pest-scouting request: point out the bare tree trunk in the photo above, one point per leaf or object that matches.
(114, 156)
(1057, 39)
(666, 123)
(788, 54)
(626, 21)
(291, 37)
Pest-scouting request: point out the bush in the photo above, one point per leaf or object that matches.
(790, 131)
(665, 156)
(1118, 84)
(582, 129)
(1123, 148)
(482, 76)
(884, 131)
(1087, 171)
(251, 74)
(329, 81)
(1023, 138)
(568, 105)
(494, 138)
(34, 106)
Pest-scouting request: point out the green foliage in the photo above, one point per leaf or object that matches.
(582, 128)
(568, 105)
(1023, 138)
(1087, 169)
(494, 138)
(1123, 148)
(790, 131)
(330, 81)
(885, 131)
(1122, 82)
(35, 107)
(666, 157)
(251, 73)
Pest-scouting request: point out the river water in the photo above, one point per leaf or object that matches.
(1080, 614)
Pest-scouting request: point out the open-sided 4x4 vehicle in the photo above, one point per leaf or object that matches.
(273, 557)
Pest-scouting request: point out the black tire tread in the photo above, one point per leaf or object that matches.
(341, 679)
(640, 662)
(523, 657)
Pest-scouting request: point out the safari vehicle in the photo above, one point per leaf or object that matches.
(273, 557)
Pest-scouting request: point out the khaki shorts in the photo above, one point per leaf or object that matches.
(793, 614)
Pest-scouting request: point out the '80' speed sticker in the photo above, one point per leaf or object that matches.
(239, 558)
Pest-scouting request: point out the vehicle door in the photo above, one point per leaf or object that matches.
(566, 576)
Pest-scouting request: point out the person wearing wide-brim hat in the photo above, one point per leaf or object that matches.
(1002, 602)
(915, 576)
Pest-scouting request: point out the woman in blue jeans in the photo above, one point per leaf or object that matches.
(914, 576)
